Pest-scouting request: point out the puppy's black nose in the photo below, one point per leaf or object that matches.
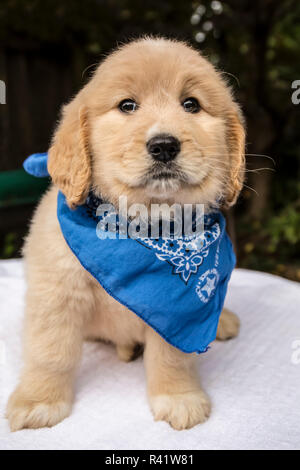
(163, 147)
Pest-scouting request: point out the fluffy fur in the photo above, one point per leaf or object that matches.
(95, 145)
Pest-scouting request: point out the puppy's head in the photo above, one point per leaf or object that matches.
(155, 123)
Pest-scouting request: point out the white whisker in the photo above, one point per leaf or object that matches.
(252, 189)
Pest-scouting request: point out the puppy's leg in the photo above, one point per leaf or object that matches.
(129, 352)
(53, 340)
(229, 325)
(174, 392)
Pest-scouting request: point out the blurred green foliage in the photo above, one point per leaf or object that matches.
(257, 44)
(284, 227)
(9, 246)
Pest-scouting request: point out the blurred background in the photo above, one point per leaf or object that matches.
(48, 49)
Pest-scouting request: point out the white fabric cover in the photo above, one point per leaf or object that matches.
(253, 380)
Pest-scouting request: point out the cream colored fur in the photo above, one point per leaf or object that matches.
(95, 145)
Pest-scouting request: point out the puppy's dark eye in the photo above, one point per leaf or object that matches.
(128, 106)
(191, 105)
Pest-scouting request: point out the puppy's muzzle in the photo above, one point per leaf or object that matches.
(163, 147)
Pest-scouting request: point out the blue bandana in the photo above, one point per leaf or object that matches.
(177, 291)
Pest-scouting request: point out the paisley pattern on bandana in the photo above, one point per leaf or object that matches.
(185, 254)
(207, 284)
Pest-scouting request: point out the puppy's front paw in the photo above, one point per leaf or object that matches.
(229, 325)
(28, 413)
(181, 410)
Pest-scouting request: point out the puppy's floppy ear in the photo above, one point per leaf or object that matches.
(69, 162)
(236, 151)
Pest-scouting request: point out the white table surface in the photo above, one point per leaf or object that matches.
(253, 380)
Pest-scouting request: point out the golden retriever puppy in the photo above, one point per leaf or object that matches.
(147, 88)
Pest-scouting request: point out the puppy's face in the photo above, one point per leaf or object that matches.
(156, 123)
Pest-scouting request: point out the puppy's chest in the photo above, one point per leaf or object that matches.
(112, 321)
